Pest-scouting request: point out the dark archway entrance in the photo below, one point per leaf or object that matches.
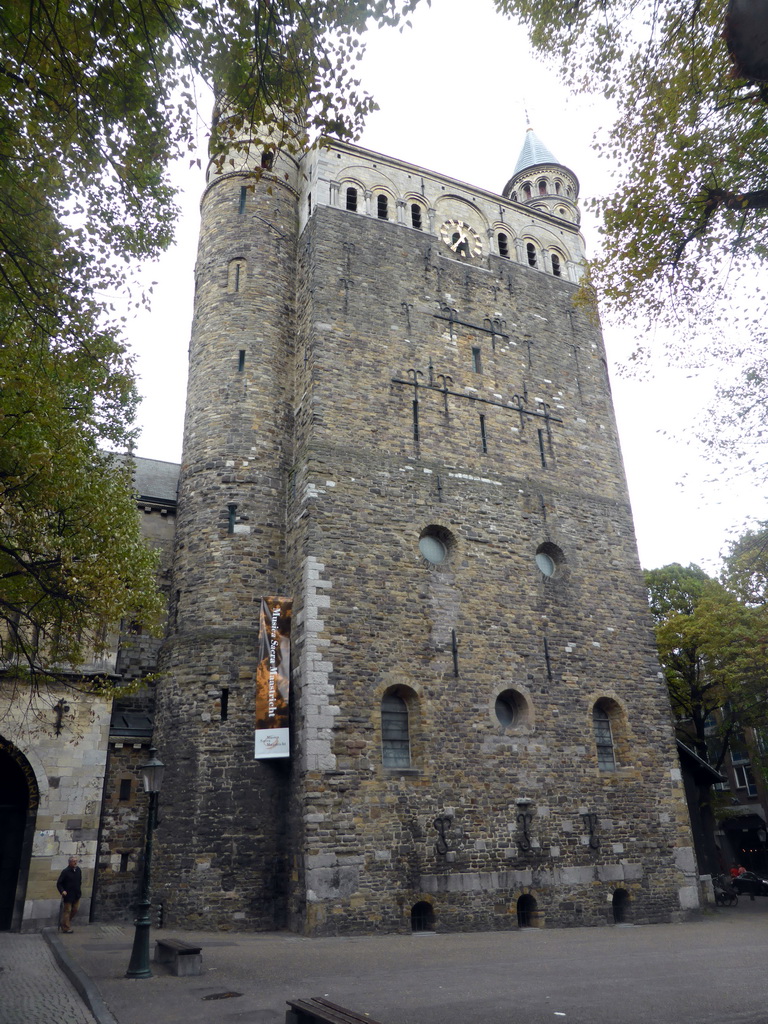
(18, 812)
(526, 911)
(620, 903)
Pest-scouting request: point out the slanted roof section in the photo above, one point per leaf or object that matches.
(703, 773)
(156, 480)
(131, 725)
(534, 152)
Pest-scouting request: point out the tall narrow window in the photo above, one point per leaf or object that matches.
(236, 275)
(542, 188)
(483, 435)
(125, 789)
(503, 245)
(416, 216)
(395, 742)
(526, 191)
(558, 187)
(531, 251)
(606, 760)
(382, 207)
(352, 199)
(267, 159)
(243, 197)
(309, 204)
(477, 361)
(556, 268)
(241, 360)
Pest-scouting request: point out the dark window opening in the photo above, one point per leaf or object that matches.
(422, 917)
(556, 269)
(224, 704)
(382, 207)
(503, 246)
(124, 862)
(477, 364)
(395, 741)
(542, 188)
(125, 789)
(243, 197)
(309, 204)
(527, 191)
(483, 435)
(352, 200)
(558, 187)
(416, 215)
(241, 360)
(542, 450)
(237, 277)
(267, 159)
(531, 251)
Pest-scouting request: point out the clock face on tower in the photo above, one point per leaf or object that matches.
(461, 239)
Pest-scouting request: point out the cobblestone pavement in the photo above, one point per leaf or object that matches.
(33, 990)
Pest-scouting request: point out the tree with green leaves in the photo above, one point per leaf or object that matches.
(714, 653)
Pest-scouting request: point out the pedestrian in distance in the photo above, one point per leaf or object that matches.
(70, 885)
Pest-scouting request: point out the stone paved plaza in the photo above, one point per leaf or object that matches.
(706, 972)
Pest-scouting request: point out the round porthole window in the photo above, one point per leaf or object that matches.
(505, 709)
(511, 709)
(549, 559)
(435, 544)
(433, 549)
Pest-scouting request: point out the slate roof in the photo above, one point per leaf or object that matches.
(156, 480)
(533, 153)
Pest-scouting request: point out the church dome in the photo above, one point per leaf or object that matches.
(542, 182)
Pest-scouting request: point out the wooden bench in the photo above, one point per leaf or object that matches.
(317, 1010)
(183, 958)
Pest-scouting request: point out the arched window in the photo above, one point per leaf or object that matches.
(395, 739)
(542, 187)
(416, 220)
(382, 207)
(352, 199)
(503, 245)
(513, 196)
(531, 252)
(267, 159)
(558, 187)
(556, 268)
(526, 191)
(236, 275)
(601, 723)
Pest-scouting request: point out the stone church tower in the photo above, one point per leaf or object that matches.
(399, 420)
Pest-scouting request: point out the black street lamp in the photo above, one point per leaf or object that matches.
(152, 773)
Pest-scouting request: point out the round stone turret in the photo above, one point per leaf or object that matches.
(542, 182)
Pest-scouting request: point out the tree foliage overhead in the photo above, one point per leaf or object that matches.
(690, 142)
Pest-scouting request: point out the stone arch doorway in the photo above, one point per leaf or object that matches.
(621, 907)
(19, 798)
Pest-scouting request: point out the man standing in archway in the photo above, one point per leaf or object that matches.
(69, 884)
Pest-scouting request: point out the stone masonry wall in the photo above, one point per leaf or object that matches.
(221, 840)
(370, 841)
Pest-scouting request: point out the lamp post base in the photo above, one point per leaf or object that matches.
(139, 965)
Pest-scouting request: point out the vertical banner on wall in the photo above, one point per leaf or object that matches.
(273, 678)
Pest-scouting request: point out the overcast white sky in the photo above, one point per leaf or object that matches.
(453, 93)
